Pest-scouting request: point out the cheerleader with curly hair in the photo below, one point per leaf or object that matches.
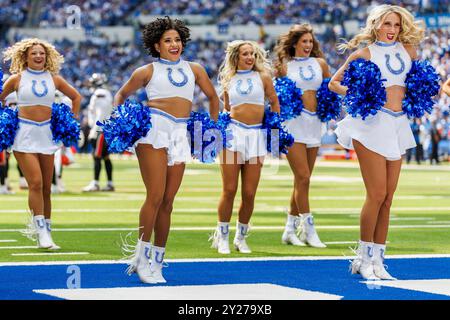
(245, 76)
(380, 140)
(35, 65)
(169, 83)
(300, 58)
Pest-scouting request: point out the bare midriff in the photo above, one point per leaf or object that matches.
(175, 106)
(35, 113)
(309, 100)
(394, 98)
(248, 113)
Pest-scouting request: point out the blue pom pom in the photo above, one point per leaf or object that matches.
(366, 93)
(128, 123)
(9, 123)
(204, 135)
(276, 135)
(65, 128)
(328, 102)
(222, 124)
(422, 83)
(289, 97)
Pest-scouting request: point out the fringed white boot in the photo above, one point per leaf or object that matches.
(140, 257)
(362, 264)
(379, 268)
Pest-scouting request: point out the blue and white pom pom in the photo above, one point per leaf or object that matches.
(278, 139)
(422, 83)
(206, 139)
(366, 93)
(222, 124)
(289, 97)
(65, 128)
(9, 123)
(128, 123)
(328, 102)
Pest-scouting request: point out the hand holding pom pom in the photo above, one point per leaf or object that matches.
(422, 83)
(65, 128)
(276, 135)
(366, 93)
(128, 123)
(328, 103)
(289, 96)
(9, 123)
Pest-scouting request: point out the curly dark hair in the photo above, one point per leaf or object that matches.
(154, 30)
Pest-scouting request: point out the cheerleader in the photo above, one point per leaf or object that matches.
(169, 83)
(246, 81)
(34, 67)
(381, 139)
(300, 59)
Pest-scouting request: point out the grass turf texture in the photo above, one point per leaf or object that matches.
(420, 214)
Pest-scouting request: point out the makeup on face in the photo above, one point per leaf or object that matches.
(304, 45)
(36, 57)
(246, 59)
(390, 28)
(170, 45)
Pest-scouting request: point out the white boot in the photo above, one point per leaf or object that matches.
(48, 223)
(140, 263)
(43, 239)
(220, 239)
(308, 233)
(156, 264)
(289, 235)
(378, 262)
(362, 264)
(239, 239)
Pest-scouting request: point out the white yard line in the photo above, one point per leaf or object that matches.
(7, 241)
(17, 247)
(252, 228)
(50, 254)
(287, 258)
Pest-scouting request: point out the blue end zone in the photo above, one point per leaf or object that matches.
(327, 276)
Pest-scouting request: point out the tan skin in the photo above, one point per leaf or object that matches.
(446, 87)
(231, 162)
(380, 175)
(302, 159)
(36, 167)
(162, 181)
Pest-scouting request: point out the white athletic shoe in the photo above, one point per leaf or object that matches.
(92, 187)
(380, 271)
(241, 245)
(308, 234)
(289, 237)
(4, 190)
(220, 242)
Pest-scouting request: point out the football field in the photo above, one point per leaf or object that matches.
(89, 226)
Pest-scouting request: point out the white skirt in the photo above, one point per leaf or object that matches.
(170, 133)
(248, 140)
(34, 137)
(306, 128)
(387, 133)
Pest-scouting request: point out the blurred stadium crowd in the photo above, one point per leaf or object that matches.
(117, 61)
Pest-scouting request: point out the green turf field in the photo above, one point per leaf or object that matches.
(420, 213)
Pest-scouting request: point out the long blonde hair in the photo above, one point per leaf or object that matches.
(411, 31)
(285, 48)
(230, 64)
(17, 53)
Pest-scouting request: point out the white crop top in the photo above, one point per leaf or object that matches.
(246, 86)
(393, 60)
(36, 88)
(171, 79)
(305, 72)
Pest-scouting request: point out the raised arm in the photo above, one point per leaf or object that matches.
(69, 91)
(140, 77)
(10, 86)
(335, 82)
(270, 92)
(205, 84)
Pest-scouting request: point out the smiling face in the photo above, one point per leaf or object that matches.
(36, 57)
(246, 59)
(304, 45)
(170, 45)
(390, 28)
